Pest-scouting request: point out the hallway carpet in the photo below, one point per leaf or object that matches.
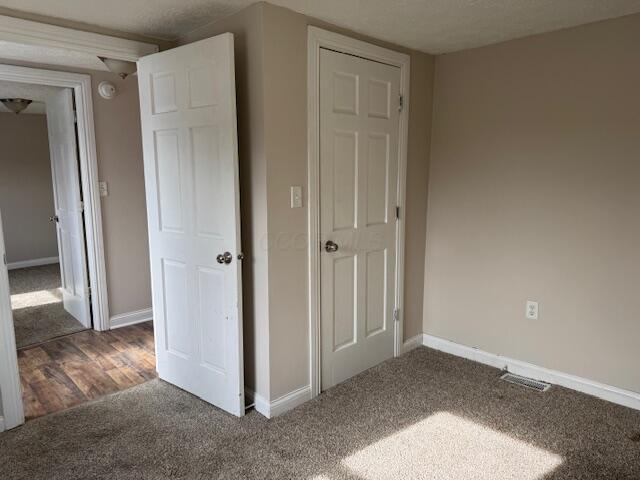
(36, 301)
(425, 415)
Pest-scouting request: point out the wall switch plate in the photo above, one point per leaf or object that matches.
(532, 310)
(296, 196)
(104, 189)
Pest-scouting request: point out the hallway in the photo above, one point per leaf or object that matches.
(36, 301)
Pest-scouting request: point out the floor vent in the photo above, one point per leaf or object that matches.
(526, 382)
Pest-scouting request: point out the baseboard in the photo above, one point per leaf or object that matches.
(612, 394)
(36, 262)
(413, 342)
(130, 318)
(281, 405)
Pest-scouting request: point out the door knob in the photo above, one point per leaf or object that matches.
(54, 218)
(224, 258)
(330, 247)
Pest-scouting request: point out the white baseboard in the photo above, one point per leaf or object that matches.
(130, 318)
(612, 394)
(413, 342)
(36, 262)
(281, 405)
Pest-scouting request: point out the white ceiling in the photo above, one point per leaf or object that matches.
(38, 93)
(434, 26)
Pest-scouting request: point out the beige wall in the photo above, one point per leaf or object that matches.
(124, 214)
(124, 210)
(26, 188)
(534, 194)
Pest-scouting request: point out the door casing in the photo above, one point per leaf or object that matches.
(316, 39)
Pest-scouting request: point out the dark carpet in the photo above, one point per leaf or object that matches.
(36, 302)
(426, 415)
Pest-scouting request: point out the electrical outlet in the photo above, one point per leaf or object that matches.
(531, 312)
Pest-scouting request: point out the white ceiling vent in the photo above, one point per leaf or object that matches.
(526, 382)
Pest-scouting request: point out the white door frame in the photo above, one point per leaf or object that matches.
(12, 413)
(81, 85)
(317, 39)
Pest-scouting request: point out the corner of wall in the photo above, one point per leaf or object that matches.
(432, 114)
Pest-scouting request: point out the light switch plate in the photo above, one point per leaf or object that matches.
(296, 196)
(104, 189)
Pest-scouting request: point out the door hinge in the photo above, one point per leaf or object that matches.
(400, 103)
(397, 213)
(4, 258)
(396, 315)
(81, 205)
(75, 117)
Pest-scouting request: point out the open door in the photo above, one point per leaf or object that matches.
(68, 206)
(188, 112)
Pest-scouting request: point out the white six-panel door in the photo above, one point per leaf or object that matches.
(359, 128)
(188, 111)
(68, 205)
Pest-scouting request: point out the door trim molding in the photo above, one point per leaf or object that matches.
(81, 86)
(10, 391)
(318, 38)
(28, 32)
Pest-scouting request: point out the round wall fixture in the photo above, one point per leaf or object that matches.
(107, 90)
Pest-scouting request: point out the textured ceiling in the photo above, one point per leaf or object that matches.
(433, 26)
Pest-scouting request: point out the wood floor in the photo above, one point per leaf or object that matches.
(68, 371)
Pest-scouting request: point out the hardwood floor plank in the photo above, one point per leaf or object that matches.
(84, 366)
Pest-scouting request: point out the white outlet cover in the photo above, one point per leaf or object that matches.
(531, 312)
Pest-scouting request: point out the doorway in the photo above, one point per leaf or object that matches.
(357, 167)
(44, 230)
(65, 288)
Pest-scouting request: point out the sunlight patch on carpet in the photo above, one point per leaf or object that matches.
(447, 446)
(35, 299)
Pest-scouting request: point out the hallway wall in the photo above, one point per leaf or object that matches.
(26, 188)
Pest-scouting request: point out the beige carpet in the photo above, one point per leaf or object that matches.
(36, 301)
(426, 415)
